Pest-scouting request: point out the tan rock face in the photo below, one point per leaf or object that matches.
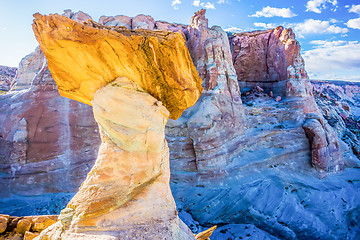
(127, 190)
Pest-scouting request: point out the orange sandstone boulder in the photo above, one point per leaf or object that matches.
(30, 235)
(23, 226)
(3, 223)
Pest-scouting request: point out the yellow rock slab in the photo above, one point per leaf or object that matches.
(205, 235)
(85, 57)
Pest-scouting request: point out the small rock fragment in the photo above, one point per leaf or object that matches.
(205, 234)
(278, 99)
(30, 236)
(271, 94)
(66, 216)
(3, 223)
(42, 223)
(259, 89)
(22, 226)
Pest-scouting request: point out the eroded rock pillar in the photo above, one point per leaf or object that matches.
(127, 193)
(135, 81)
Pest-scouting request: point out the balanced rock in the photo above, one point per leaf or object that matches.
(134, 80)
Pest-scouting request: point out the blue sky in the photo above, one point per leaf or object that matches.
(328, 30)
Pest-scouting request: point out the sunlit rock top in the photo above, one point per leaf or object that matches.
(85, 57)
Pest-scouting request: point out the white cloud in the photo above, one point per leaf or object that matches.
(333, 57)
(264, 25)
(355, 9)
(175, 3)
(274, 12)
(196, 3)
(221, 1)
(208, 5)
(311, 26)
(326, 44)
(233, 29)
(353, 23)
(318, 5)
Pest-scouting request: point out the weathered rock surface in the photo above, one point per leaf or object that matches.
(270, 183)
(324, 145)
(339, 103)
(203, 131)
(127, 192)
(7, 77)
(270, 59)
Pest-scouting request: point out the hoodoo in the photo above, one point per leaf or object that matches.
(135, 80)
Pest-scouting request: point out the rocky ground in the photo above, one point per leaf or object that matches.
(270, 184)
(340, 104)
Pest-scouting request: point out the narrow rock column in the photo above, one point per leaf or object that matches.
(127, 193)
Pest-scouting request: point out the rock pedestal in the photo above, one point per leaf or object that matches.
(127, 192)
(133, 86)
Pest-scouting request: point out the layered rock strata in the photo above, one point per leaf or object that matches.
(270, 59)
(204, 130)
(127, 192)
(339, 103)
(325, 152)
